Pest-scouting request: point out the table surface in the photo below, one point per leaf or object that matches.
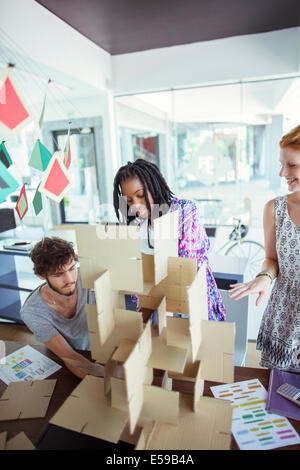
(66, 382)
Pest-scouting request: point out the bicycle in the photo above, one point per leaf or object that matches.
(250, 249)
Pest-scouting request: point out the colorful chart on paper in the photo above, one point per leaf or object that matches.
(253, 427)
(26, 364)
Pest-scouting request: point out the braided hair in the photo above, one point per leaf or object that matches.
(151, 179)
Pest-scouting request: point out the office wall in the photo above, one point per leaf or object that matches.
(244, 57)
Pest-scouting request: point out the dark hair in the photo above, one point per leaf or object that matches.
(50, 254)
(151, 179)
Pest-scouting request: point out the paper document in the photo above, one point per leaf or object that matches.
(26, 364)
(253, 427)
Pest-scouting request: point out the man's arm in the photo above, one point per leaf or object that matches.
(59, 346)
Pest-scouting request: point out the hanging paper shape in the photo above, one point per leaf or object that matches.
(56, 180)
(8, 184)
(4, 155)
(37, 201)
(67, 151)
(14, 112)
(22, 203)
(40, 157)
(41, 120)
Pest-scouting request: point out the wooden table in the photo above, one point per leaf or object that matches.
(66, 382)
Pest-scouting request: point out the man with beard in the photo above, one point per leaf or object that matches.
(55, 311)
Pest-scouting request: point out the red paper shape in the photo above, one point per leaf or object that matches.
(57, 180)
(22, 203)
(12, 110)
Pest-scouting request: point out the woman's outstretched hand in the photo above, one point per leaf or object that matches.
(259, 285)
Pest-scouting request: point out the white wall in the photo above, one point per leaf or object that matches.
(243, 57)
(45, 38)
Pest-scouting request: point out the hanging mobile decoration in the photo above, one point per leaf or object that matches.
(4, 155)
(56, 180)
(37, 201)
(8, 184)
(14, 111)
(22, 203)
(41, 120)
(67, 149)
(40, 156)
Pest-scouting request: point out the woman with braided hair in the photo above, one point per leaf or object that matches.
(144, 188)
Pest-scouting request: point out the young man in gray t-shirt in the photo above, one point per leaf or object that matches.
(55, 311)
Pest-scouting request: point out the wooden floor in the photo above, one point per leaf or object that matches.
(21, 334)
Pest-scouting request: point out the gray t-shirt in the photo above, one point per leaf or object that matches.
(45, 323)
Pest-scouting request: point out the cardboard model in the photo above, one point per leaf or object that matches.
(127, 406)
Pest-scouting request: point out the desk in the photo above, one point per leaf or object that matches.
(66, 383)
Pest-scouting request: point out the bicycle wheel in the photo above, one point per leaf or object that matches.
(252, 250)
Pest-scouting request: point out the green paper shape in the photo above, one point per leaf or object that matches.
(4, 155)
(37, 201)
(40, 157)
(8, 183)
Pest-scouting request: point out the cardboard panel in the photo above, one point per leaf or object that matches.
(165, 230)
(221, 334)
(162, 315)
(19, 442)
(147, 430)
(3, 436)
(208, 428)
(88, 411)
(198, 308)
(23, 400)
(166, 243)
(95, 241)
(165, 357)
(198, 387)
(148, 268)
(217, 351)
(135, 407)
(218, 367)
(119, 395)
(178, 333)
(181, 271)
(89, 271)
(130, 323)
(137, 361)
(124, 350)
(160, 404)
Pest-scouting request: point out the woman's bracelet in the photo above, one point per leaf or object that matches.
(268, 273)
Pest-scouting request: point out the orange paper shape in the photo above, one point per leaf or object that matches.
(14, 112)
(56, 181)
(22, 203)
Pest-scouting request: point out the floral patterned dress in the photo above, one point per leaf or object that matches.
(193, 243)
(279, 334)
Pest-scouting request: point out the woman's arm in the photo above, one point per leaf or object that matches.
(261, 285)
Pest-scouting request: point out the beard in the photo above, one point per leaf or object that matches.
(58, 291)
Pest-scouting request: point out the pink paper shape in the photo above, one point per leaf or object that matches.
(57, 180)
(12, 110)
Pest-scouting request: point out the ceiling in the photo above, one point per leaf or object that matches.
(124, 26)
